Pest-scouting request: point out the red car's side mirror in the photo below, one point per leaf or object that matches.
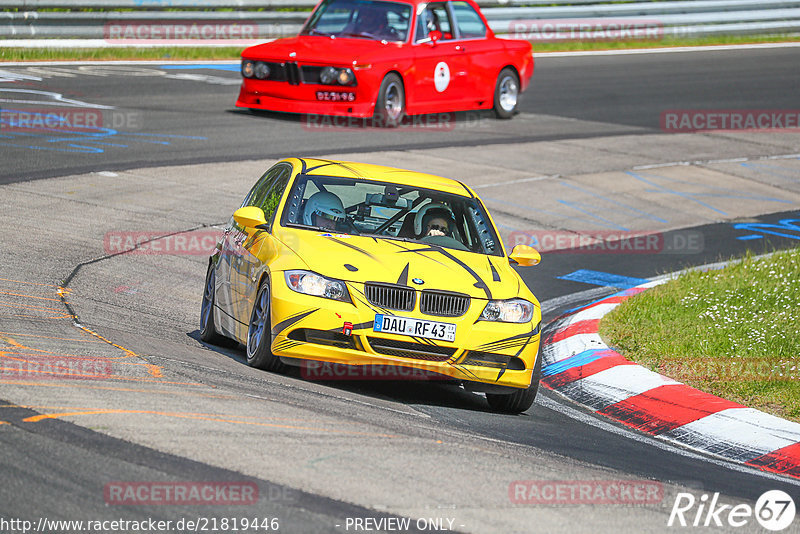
(435, 36)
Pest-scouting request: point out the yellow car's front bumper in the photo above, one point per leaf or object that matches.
(312, 328)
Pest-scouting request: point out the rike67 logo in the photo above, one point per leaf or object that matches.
(774, 510)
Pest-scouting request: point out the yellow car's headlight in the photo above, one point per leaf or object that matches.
(508, 311)
(317, 285)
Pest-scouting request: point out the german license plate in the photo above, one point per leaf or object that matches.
(408, 326)
(336, 96)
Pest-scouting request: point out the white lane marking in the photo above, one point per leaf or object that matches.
(8, 76)
(744, 432)
(714, 161)
(205, 78)
(520, 181)
(58, 99)
(666, 50)
(657, 442)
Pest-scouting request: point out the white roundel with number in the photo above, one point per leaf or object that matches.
(775, 510)
(441, 76)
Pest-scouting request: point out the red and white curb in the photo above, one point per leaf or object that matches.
(578, 365)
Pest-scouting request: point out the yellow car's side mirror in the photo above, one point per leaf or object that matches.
(525, 256)
(249, 217)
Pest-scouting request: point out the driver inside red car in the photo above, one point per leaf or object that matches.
(373, 22)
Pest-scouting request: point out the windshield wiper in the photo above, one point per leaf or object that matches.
(319, 32)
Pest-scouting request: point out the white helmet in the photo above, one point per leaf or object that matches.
(419, 218)
(324, 204)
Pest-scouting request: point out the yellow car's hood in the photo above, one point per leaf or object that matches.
(367, 259)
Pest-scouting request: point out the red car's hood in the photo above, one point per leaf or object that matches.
(320, 50)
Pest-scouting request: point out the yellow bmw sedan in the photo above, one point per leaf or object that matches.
(356, 265)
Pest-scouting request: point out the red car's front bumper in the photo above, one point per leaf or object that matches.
(280, 96)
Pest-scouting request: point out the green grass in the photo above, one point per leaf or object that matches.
(734, 333)
(210, 52)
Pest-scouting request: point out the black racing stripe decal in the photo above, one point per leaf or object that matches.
(329, 162)
(351, 246)
(292, 319)
(480, 284)
(305, 166)
(466, 371)
(403, 280)
(287, 344)
(364, 301)
(495, 274)
(467, 190)
(405, 249)
(532, 333)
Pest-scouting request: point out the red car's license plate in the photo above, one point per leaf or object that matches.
(336, 96)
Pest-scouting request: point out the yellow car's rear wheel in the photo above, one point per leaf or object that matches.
(259, 336)
(208, 331)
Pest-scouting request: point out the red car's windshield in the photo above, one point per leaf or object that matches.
(366, 19)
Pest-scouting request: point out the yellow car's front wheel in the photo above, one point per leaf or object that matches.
(259, 337)
(521, 400)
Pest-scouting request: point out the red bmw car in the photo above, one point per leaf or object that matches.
(388, 59)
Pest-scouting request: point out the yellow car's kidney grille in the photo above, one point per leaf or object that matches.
(443, 304)
(390, 296)
(407, 349)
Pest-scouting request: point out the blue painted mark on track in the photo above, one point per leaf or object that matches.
(578, 360)
(615, 202)
(788, 228)
(34, 133)
(600, 278)
(714, 192)
(229, 68)
(773, 170)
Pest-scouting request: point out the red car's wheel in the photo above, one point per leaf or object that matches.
(506, 94)
(390, 108)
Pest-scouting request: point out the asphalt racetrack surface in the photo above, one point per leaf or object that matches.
(586, 156)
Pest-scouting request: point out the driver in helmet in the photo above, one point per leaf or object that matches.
(434, 220)
(324, 210)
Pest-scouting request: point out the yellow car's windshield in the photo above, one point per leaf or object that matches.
(362, 207)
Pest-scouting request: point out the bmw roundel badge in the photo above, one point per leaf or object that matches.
(418, 281)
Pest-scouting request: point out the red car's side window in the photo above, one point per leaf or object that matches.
(470, 25)
(434, 18)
